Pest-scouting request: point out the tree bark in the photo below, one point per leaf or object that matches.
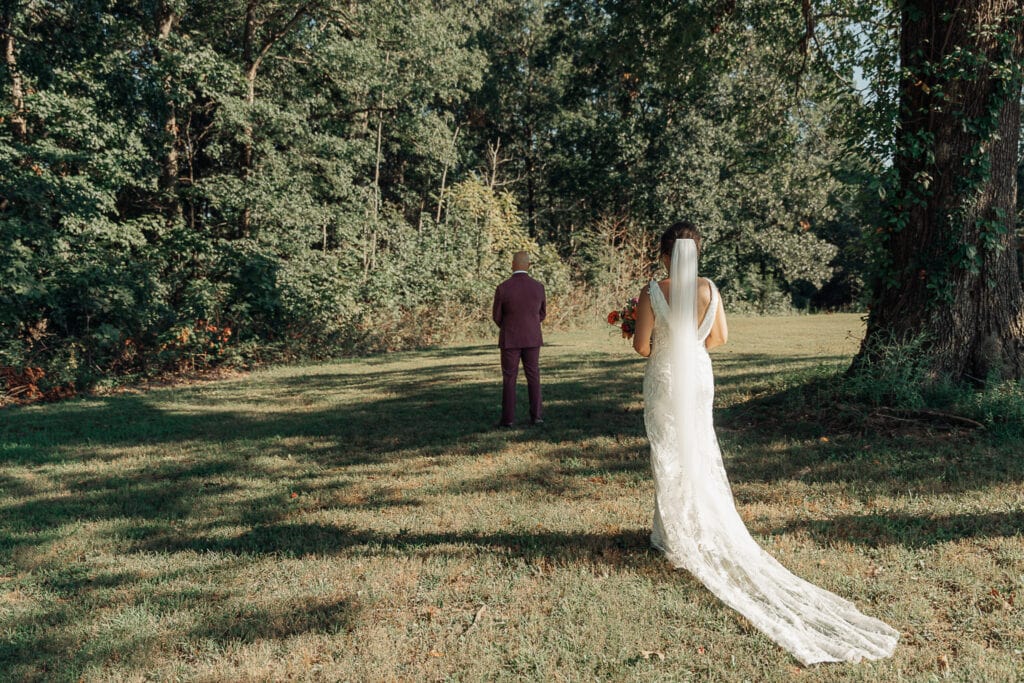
(952, 276)
(19, 124)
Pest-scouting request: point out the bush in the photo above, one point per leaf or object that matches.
(900, 379)
(898, 376)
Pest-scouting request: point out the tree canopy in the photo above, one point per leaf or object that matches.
(185, 182)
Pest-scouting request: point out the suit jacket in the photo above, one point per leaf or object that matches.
(519, 307)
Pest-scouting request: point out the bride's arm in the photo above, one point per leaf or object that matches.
(719, 333)
(644, 324)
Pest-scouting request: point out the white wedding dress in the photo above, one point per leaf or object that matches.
(696, 523)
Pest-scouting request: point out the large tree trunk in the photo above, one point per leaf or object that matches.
(951, 274)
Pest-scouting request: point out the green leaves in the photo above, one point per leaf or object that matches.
(286, 168)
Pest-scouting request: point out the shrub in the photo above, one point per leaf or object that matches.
(898, 376)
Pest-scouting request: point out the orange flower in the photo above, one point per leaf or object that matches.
(613, 317)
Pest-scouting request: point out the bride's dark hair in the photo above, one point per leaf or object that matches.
(679, 231)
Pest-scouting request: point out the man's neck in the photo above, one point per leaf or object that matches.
(516, 272)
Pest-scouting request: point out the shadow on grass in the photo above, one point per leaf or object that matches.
(628, 547)
(911, 531)
(292, 539)
(421, 408)
(381, 413)
(249, 623)
(49, 651)
(831, 442)
(178, 452)
(439, 410)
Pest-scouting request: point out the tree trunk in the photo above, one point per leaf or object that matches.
(444, 173)
(253, 54)
(165, 20)
(951, 275)
(251, 69)
(494, 163)
(531, 184)
(370, 252)
(370, 261)
(19, 125)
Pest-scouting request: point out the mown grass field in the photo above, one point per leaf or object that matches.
(364, 521)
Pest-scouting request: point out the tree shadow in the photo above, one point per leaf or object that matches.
(248, 623)
(227, 618)
(207, 446)
(425, 415)
(120, 497)
(439, 410)
(299, 539)
(910, 531)
(850, 445)
(424, 408)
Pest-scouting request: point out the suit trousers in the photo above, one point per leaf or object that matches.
(510, 372)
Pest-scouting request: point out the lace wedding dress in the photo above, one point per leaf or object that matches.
(696, 523)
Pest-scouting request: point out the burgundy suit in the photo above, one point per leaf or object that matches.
(519, 308)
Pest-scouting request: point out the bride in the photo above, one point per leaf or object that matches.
(696, 523)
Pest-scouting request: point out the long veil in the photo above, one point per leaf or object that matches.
(704, 533)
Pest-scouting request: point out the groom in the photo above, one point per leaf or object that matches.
(519, 308)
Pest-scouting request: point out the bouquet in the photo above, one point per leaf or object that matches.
(625, 319)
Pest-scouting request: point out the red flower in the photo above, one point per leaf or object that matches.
(625, 319)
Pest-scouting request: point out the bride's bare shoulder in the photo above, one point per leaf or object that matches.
(703, 290)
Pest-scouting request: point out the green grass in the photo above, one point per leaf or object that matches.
(362, 520)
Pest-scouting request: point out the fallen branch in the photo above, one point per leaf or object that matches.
(926, 415)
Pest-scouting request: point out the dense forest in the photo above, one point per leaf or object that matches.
(191, 182)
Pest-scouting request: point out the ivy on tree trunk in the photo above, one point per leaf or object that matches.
(947, 267)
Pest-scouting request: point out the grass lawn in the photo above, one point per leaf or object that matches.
(363, 521)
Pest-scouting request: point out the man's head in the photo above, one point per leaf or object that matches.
(520, 261)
